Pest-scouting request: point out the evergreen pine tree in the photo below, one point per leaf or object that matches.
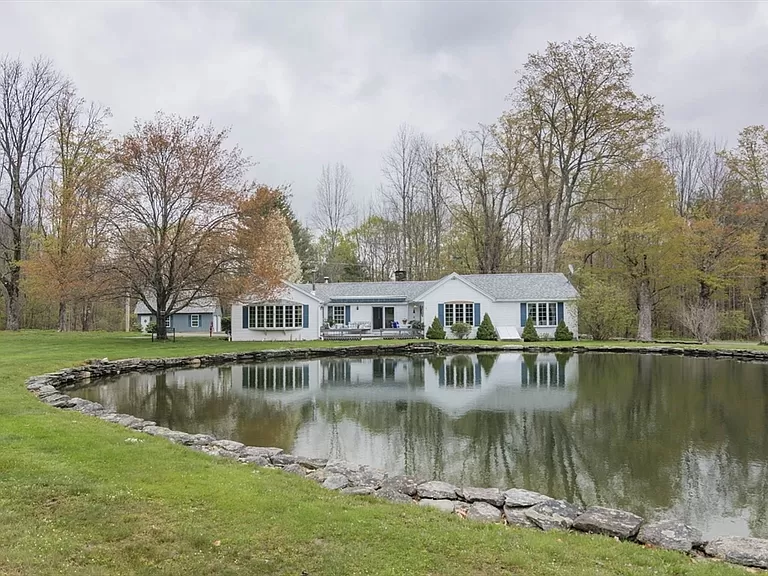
(436, 330)
(529, 332)
(486, 330)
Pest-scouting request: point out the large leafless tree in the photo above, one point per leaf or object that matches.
(334, 208)
(401, 169)
(27, 97)
(484, 175)
(176, 211)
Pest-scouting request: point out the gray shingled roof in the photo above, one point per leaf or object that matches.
(339, 291)
(522, 287)
(197, 306)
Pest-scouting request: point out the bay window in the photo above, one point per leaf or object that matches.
(278, 316)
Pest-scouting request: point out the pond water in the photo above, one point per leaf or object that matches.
(662, 436)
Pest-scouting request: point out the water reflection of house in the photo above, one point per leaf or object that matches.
(456, 384)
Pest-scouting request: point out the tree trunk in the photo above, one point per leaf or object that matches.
(13, 299)
(62, 316)
(645, 311)
(87, 316)
(162, 331)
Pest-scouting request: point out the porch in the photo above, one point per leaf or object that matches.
(353, 332)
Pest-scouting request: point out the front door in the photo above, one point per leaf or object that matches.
(378, 317)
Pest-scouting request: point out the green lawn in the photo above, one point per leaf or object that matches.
(75, 498)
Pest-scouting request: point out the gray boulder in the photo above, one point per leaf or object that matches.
(335, 481)
(215, 451)
(517, 497)
(283, 459)
(319, 476)
(442, 505)
(256, 460)
(200, 439)
(342, 467)
(437, 490)
(358, 490)
(670, 535)
(492, 496)
(608, 521)
(393, 496)
(515, 516)
(483, 512)
(554, 514)
(312, 463)
(259, 451)
(740, 550)
(230, 445)
(401, 483)
(297, 469)
(367, 476)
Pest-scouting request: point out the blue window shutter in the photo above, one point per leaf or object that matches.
(347, 314)
(523, 313)
(305, 316)
(560, 311)
(441, 313)
(305, 376)
(476, 315)
(189, 320)
(245, 316)
(478, 375)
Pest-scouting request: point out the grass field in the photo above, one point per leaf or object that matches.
(76, 498)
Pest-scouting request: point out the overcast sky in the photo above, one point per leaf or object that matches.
(304, 84)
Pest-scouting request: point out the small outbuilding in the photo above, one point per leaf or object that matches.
(200, 316)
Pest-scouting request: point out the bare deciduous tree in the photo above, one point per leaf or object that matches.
(701, 319)
(401, 166)
(334, 209)
(176, 211)
(484, 172)
(27, 98)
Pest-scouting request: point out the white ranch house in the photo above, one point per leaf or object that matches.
(384, 309)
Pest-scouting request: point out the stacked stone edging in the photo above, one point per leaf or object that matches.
(515, 507)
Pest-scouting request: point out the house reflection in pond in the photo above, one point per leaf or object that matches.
(506, 382)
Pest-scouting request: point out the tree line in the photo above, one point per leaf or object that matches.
(163, 214)
(664, 234)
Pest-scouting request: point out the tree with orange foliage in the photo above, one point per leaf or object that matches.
(264, 246)
(176, 211)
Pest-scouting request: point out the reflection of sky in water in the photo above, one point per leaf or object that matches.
(661, 436)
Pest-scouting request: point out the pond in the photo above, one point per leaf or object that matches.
(662, 436)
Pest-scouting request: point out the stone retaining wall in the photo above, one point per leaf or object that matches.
(515, 507)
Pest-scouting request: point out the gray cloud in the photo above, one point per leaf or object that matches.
(302, 84)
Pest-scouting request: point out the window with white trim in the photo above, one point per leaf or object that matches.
(543, 313)
(336, 314)
(194, 320)
(459, 312)
(275, 316)
(167, 321)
